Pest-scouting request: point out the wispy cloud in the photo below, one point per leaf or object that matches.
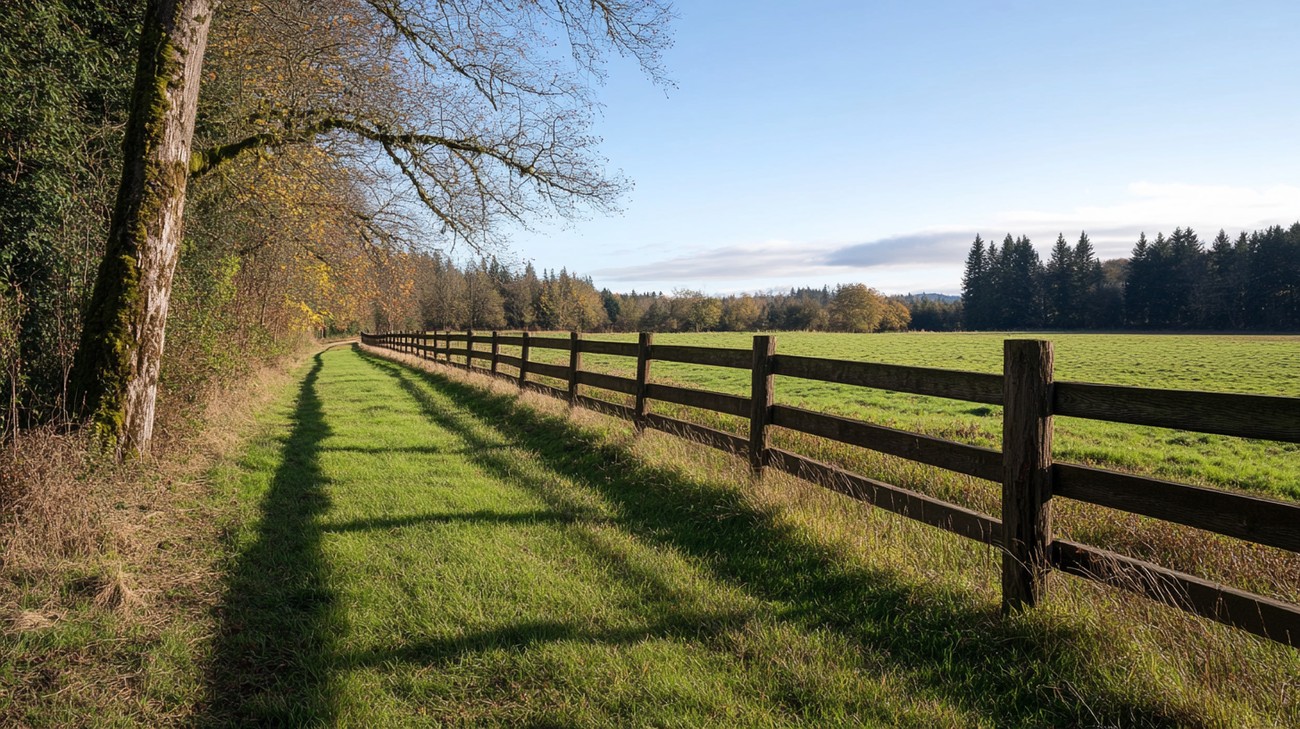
(1149, 207)
(761, 260)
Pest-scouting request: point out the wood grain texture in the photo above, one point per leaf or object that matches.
(625, 385)
(716, 401)
(699, 433)
(1247, 416)
(1252, 518)
(575, 366)
(549, 343)
(922, 508)
(713, 356)
(968, 459)
(523, 359)
(645, 342)
(953, 384)
(597, 346)
(544, 369)
(761, 394)
(1266, 617)
(1026, 471)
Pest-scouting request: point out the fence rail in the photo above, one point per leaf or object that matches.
(1030, 480)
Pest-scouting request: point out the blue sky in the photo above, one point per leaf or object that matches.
(831, 142)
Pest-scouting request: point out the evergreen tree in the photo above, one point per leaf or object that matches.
(1019, 284)
(1137, 287)
(1274, 294)
(1088, 283)
(975, 290)
(1059, 287)
(1183, 274)
(1218, 300)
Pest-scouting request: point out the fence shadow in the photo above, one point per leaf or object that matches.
(270, 664)
(943, 642)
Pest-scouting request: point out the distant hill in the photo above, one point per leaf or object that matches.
(925, 296)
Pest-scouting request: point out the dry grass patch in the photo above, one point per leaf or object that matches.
(109, 573)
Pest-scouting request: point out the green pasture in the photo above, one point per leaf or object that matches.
(414, 549)
(1246, 364)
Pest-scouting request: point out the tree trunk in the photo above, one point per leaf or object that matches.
(115, 376)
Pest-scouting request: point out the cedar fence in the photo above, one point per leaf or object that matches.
(1030, 479)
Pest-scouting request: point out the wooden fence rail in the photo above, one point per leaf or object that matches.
(1030, 479)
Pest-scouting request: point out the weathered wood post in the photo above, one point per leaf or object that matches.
(1026, 471)
(496, 352)
(760, 395)
(469, 349)
(523, 363)
(575, 362)
(643, 343)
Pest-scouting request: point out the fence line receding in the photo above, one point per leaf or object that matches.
(1024, 467)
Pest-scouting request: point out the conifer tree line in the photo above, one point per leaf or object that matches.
(486, 294)
(1177, 282)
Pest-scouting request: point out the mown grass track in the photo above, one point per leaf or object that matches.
(419, 550)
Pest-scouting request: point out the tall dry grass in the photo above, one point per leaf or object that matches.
(105, 567)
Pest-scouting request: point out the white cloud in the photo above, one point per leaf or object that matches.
(1148, 207)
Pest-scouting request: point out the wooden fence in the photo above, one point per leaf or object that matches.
(1030, 479)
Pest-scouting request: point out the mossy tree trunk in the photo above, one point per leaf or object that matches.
(115, 374)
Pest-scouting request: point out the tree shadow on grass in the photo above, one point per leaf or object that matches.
(946, 644)
(270, 666)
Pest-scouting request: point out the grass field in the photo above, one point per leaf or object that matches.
(426, 551)
(398, 547)
(1249, 364)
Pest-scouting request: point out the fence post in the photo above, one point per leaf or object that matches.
(643, 343)
(575, 361)
(760, 398)
(469, 348)
(1026, 471)
(523, 362)
(496, 352)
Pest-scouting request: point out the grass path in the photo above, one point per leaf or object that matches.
(416, 550)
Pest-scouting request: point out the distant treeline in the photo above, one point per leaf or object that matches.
(1174, 282)
(1252, 282)
(488, 295)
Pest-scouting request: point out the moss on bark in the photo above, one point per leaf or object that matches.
(107, 357)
